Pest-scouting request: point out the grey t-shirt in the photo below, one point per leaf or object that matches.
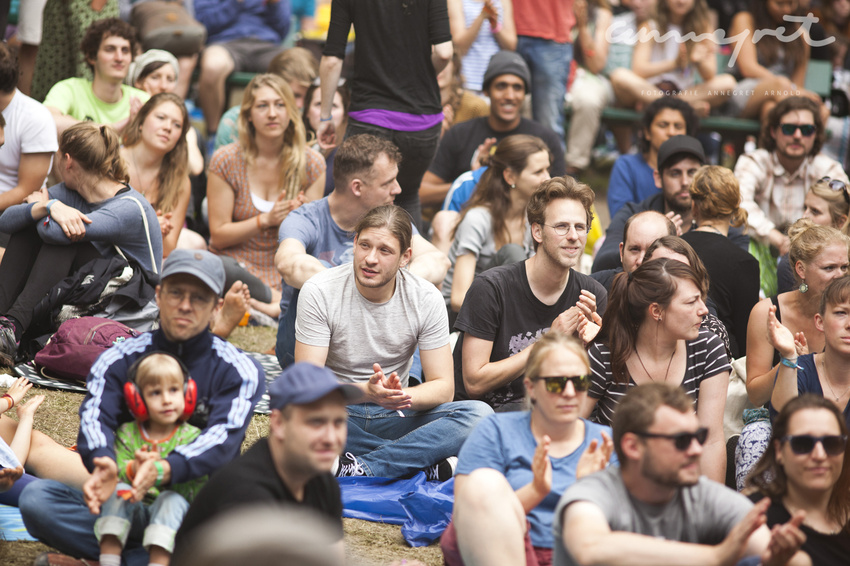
(474, 236)
(701, 514)
(358, 333)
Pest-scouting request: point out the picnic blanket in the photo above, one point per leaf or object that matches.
(12, 525)
(269, 363)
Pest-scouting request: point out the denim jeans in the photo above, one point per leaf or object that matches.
(417, 150)
(157, 523)
(549, 63)
(284, 348)
(57, 515)
(390, 446)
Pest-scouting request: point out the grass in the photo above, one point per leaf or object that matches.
(366, 543)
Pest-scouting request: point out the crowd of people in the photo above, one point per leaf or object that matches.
(671, 387)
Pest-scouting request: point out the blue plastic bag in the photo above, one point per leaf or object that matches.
(423, 508)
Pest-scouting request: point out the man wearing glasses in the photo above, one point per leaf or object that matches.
(774, 180)
(508, 308)
(656, 508)
(229, 385)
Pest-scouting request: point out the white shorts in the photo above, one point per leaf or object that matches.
(30, 18)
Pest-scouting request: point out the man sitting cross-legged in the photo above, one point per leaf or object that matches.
(364, 322)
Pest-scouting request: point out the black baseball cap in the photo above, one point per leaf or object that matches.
(685, 145)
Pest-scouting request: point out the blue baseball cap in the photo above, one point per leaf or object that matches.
(202, 264)
(303, 383)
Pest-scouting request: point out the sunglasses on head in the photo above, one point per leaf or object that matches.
(682, 440)
(805, 129)
(833, 444)
(836, 185)
(557, 384)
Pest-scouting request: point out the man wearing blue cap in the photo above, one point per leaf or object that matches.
(229, 385)
(307, 431)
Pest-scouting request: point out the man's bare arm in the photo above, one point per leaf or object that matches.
(480, 375)
(427, 261)
(32, 170)
(295, 264)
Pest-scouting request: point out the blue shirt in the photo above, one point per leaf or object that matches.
(462, 189)
(631, 181)
(504, 442)
(227, 20)
(808, 382)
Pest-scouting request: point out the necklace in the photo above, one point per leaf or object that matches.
(142, 189)
(710, 227)
(647, 371)
(828, 384)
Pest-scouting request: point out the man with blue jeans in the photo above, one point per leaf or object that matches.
(543, 39)
(364, 321)
(229, 385)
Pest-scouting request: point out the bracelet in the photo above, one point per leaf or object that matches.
(160, 473)
(789, 363)
(11, 401)
(260, 226)
(496, 28)
(328, 119)
(50, 203)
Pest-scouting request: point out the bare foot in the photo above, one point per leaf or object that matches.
(235, 306)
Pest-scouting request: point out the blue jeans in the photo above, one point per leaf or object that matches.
(57, 515)
(284, 349)
(549, 63)
(156, 524)
(389, 446)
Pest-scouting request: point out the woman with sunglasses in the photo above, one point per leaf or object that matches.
(651, 333)
(825, 374)
(827, 203)
(819, 255)
(540, 452)
(806, 469)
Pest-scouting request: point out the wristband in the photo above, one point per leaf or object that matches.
(160, 473)
(496, 28)
(11, 401)
(789, 363)
(50, 203)
(328, 119)
(130, 470)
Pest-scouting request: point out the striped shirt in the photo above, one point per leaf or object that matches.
(706, 357)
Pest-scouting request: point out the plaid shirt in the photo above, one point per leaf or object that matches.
(774, 197)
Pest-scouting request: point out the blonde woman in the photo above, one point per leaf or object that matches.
(255, 183)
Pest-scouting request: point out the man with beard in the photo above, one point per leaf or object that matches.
(508, 308)
(364, 321)
(656, 508)
(678, 160)
(640, 231)
(774, 180)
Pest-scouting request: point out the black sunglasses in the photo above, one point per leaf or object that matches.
(556, 384)
(836, 185)
(833, 444)
(680, 440)
(805, 129)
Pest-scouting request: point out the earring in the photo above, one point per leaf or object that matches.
(803, 287)
(513, 186)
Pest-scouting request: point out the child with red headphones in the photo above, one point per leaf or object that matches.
(161, 396)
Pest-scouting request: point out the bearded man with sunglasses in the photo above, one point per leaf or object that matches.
(774, 179)
(656, 508)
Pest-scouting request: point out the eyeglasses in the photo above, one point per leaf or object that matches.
(564, 229)
(805, 129)
(557, 383)
(176, 296)
(836, 185)
(682, 440)
(833, 444)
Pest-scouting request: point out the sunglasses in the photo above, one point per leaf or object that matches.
(833, 444)
(556, 384)
(682, 440)
(836, 185)
(805, 129)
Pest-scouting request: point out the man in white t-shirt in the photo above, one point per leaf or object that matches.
(364, 321)
(29, 138)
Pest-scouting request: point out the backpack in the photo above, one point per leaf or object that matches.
(73, 349)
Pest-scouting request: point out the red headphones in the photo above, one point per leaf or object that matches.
(136, 403)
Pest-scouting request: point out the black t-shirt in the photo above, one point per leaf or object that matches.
(734, 283)
(500, 307)
(393, 39)
(459, 144)
(824, 549)
(249, 479)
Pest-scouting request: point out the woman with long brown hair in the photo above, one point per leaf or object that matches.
(651, 333)
(493, 229)
(255, 183)
(806, 471)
